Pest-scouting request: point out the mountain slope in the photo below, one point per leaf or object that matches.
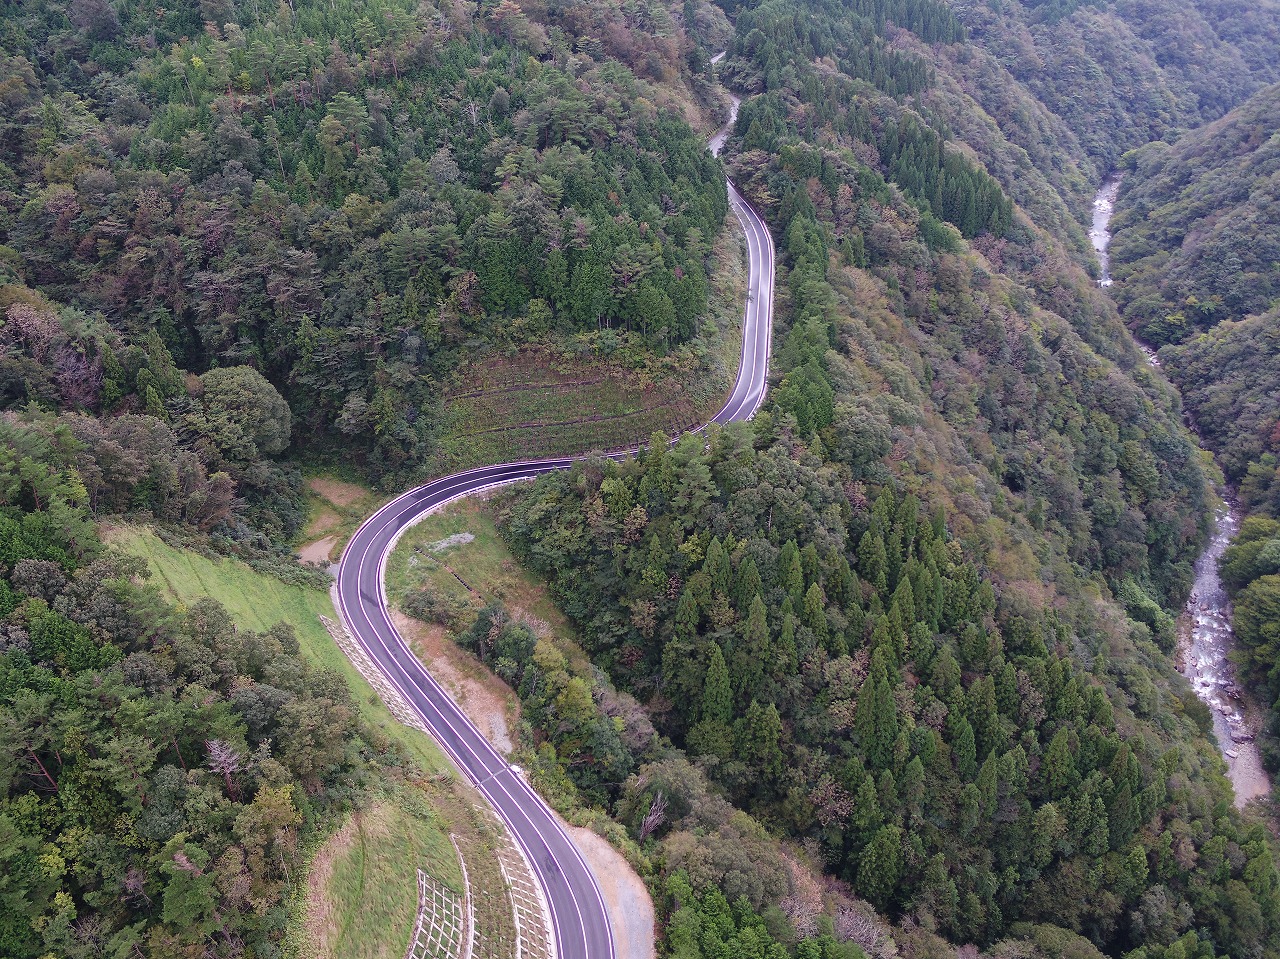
(1196, 227)
(966, 478)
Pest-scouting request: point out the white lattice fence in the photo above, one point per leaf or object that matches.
(442, 929)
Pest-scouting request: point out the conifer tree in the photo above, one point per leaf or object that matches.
(875, 722)
(1058, 772)
(752, 653)
(717, 567)
(759, 741)
(880, 866)
(785, 655)
(873, 563)
(815, 616)
(748, 585)
(791, 577)
(963, 751)
(717, 695)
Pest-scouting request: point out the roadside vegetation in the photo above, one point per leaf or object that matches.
(259, 602)
(454, 562)
(358, 895)
(165, 766)
(362, 900)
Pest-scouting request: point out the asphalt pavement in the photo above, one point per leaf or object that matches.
(579, 918)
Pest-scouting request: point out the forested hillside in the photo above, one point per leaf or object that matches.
(1195, 254)
(964, 759)
(1196, 231)
(232, 236)
(1230, 379)
(161, 772)
(916, 618)
(902, 640)
(1120, 75)
(349, 198)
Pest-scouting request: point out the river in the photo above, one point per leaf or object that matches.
(1205, 639)
(717, 141)
(1104, 205)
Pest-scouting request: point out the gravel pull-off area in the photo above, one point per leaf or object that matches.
(457, 539)
(625, 895)
(319, 551)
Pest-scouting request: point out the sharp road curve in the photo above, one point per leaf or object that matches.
(579, 920)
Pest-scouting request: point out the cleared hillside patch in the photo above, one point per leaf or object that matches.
(592, 393)
(336, 508)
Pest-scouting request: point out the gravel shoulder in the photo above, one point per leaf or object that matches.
(625, 895)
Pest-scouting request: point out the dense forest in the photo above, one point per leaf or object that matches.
(1194, 253)
(1119, 75)
(160, 770)
(1196, 228)
(884, 672)
(840, 670)
(1230, 379)
(914, 620)
(348, 199)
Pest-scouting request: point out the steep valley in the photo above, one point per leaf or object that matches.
(1205, 637)
(883, 666)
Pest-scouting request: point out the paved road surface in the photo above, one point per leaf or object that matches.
(578, 916)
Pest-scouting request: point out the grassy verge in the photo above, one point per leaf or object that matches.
(459, 537)
(258, 602)
(363, 895)
(728, 276)
(552, 400)
(458, 555)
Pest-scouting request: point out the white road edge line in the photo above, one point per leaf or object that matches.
(750, 371)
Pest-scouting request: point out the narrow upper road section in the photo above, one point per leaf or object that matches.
(578, 916)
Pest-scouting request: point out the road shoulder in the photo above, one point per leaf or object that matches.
(626, 897)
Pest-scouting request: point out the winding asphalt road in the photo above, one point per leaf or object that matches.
(578, 915)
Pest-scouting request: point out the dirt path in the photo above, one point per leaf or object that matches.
(319, 551)
(337, 492)
(488, 702)
(625, 895)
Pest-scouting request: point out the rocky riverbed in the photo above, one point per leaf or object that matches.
(1205, 639)
(1205, 644)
